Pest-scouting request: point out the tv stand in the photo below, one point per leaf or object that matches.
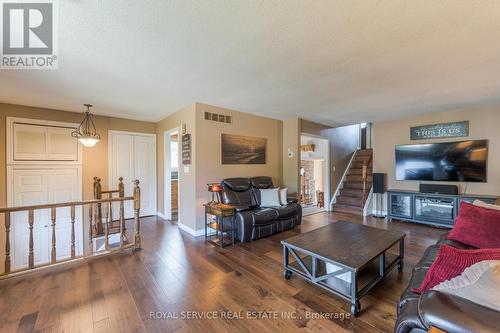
(434, 209)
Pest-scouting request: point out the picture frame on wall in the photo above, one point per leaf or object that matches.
(241, 149)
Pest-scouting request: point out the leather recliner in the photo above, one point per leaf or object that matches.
(252, 220)
(417, 313)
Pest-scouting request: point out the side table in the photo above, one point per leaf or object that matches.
(224, 224)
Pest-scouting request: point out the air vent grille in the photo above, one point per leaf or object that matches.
(218, 117)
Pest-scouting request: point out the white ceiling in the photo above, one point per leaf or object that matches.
(326, 61)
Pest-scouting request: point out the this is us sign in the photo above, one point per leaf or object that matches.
(448, 130)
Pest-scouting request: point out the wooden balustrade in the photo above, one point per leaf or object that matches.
(98, 194)
(366, 164)
(94, 217)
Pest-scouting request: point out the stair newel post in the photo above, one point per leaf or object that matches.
(107, 221)
(121, 188)
(98, 196)
(31, 256)
(122, 223)
(7, 242)
(53, 225)
(91, 216)
(73, 231)
(137, 208)
(121, 194)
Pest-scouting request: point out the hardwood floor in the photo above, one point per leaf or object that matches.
(175, 272)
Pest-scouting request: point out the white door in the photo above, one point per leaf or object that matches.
(30, 188)
(133, 156)
(63, 187)
(45, 186)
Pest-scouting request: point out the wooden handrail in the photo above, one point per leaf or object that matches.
(93, 219)
(365, 176)
(62, 204)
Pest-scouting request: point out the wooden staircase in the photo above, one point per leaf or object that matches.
(355, 188)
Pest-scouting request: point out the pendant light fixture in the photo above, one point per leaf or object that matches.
(87, 133)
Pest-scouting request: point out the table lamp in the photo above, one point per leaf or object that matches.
(214, 188)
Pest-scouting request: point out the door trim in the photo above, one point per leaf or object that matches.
(167, 177)
(110, 159)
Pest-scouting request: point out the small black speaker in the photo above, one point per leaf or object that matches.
(378, 182)
(439, 189)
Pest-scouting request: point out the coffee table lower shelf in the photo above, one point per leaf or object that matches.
(338, 279)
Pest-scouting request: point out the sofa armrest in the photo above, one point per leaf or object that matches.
(456, 314)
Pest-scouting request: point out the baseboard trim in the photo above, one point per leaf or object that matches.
(160, 214)
(192, 232)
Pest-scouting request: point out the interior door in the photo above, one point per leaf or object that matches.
(63, 187)
(38, 187)
(30, 188)
(145, 171)
(133, 156)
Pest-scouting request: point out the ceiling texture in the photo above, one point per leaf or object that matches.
(328, 61)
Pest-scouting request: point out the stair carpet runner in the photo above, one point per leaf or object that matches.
(351, 199)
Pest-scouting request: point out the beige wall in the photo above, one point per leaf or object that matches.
(208, 150)
(484, 124)
(95, 160)
(206, 159)
(187, 177)
(291, 165)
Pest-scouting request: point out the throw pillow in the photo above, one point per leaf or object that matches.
(477, 226)
(451, 262)
(283, 196)
(270, 197)
(483, 204)
(478, 283)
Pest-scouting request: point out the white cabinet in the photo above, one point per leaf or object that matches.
(45, 142)
(133, 156)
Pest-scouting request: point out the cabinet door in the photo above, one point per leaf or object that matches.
(61, 146)
(30, 188)
(43, 143)
(401, 205)
(30, 142)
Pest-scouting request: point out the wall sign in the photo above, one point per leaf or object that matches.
(186, 149)
(447, 130)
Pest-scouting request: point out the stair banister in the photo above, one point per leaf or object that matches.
(92, 220)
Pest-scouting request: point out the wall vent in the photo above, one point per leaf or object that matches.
(218, 117)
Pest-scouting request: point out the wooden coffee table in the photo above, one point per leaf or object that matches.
(347, 259)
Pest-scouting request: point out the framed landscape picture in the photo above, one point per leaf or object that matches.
(239, 149)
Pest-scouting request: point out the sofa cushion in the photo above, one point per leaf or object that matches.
(238, 192)
(262, 216)
(428, 257)
(451, 262)
(270, 197)
(477, 226)
(286, 211)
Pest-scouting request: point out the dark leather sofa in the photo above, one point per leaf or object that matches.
(417, 313)
(252, 221)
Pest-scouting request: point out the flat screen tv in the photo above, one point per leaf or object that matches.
(462, 161)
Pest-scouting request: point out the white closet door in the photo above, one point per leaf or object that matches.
(63, 187)
(122, 157)
(30, 188)
(133, 156)
(145, 171)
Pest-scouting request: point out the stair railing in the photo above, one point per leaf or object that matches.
(92, 220)
(98, 194)
(366, 164)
